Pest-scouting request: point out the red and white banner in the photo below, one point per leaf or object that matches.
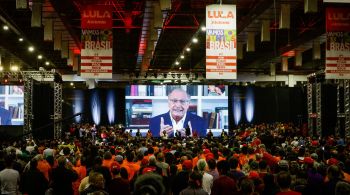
(96, 17)
(96, 53)
(221, 47)
(338, 43)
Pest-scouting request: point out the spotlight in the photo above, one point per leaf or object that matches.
(180, 68)
(195, 40)
(1, 68)
(40, 57)
(14, 68)
(20, 39)
(188, 49)
(31, 48)
(203, 28)
(71, 84)
(177, 63)
(5, 27)
(182, 56)
(47, 63)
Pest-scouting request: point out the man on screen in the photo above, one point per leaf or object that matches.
(5, 117)
(178, 117)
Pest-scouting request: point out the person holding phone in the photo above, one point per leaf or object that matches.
(178, 117)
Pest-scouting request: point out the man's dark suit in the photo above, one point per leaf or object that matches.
(5, 117)
(198, 124)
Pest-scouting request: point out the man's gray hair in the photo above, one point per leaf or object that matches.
(180, 90)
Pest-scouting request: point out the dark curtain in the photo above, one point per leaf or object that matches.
(119, 105)
(273, 104)
(43, 105)
(328, 108)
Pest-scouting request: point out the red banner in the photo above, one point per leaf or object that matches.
(338, 43)
(96, 17)
(337, 19)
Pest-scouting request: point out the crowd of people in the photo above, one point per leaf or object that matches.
(264, 159)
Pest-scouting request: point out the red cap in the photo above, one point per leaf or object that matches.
(308, 160)
(148, 170)
(187, 164)
(253, 175)
(206, 151)
(332, 161)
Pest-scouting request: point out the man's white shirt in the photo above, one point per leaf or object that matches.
(179, 125)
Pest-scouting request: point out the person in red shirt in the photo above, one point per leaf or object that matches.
(284, 180)
(223, 184)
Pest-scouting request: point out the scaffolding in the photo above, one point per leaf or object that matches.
(309, 109)
(347, 107)
(28, 102)
(318, 109)
(57, 115)
(28, 78)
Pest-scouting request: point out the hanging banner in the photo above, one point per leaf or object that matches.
(96, 53)
(96, 17)
(97, 41)
(338, 43)
(221, 36)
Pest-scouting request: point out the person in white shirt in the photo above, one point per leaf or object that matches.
(207, 179)
(9, 178)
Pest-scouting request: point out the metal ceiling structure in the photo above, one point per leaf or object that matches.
(150, 35)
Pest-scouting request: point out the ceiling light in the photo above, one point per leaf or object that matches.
(40, 57)
(1, 68)
(180, 68)
(182, 56)
(20, 39)
(177, 63)
(5, 27)
(195, 40)
(203, 28)
(14, 68)
(188, 49)
(31, 48)
(71, 84)
(47, 63)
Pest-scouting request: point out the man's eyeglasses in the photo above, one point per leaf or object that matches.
(174, 101)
